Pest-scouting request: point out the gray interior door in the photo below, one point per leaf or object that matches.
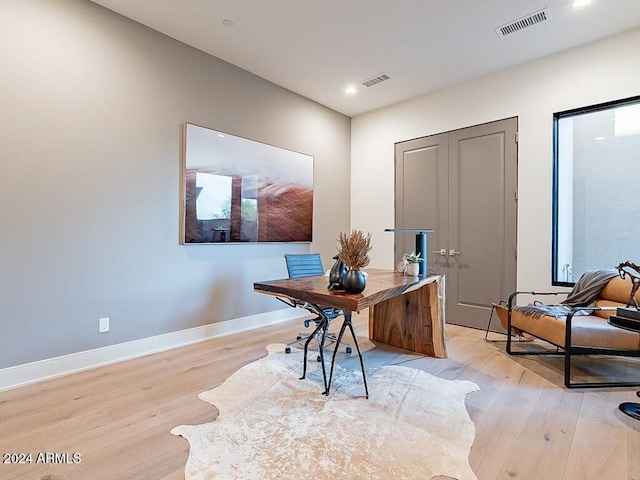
(463, 185)
(422, 191)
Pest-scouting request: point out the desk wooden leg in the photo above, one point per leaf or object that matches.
(413, 321)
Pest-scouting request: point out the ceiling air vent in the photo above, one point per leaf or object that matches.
(375, 80)
(524, 22)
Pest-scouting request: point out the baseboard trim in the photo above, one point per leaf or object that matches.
(28, 373)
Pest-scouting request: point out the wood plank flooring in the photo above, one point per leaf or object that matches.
(118, 417)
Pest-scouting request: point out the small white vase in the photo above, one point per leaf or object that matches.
(413, 269)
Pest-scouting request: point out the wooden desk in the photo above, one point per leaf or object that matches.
(406, 312)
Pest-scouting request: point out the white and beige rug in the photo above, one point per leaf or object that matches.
(274, 426)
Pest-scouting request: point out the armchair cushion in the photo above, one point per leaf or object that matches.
(590, 330)
(587, 331)
(615, 294)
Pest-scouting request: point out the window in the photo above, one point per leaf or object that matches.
(596, 204)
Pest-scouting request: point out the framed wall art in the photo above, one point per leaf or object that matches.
(239, 190)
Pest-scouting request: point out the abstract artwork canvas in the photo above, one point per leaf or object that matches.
(239, 190)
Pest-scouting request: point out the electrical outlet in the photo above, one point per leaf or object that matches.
(103, 325)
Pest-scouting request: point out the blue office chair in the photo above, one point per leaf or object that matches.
(307, 265)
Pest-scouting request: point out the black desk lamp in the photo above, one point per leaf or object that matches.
(421, 243)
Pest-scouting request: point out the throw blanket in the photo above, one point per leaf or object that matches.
(583, 294)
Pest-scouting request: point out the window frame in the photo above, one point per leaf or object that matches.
(557, 116)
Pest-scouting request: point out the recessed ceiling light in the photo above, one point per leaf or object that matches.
(228, 22)
(581, 3)
(350, 90)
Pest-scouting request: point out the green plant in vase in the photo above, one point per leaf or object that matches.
(354, 253)
(412, 261)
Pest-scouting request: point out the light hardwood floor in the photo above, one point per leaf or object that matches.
(118, 417)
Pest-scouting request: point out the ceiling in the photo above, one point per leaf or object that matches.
(317, 48)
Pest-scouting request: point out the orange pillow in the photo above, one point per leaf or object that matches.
(618, 290)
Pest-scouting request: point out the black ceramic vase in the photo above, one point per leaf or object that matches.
(354, 281)
(336, 274)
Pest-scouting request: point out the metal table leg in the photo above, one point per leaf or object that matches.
(323, 325)
(347, 323)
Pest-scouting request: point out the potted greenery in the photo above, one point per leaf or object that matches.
(412, 260)
(354, 253)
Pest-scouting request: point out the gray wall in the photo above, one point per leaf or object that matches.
(90, 142)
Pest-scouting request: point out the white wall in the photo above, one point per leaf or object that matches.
(92, 107)
(599, 72)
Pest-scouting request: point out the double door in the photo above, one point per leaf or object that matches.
(462, 184)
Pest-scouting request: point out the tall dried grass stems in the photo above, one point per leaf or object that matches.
(354, 249)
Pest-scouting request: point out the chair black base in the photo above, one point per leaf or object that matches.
(330, 337)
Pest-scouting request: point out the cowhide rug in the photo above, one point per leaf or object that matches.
(272, 425)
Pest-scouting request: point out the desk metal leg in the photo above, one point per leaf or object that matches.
(345, 324)
(323, 337)
(333, 359)
(324, 326)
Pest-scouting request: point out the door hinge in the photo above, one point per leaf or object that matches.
(517, 137)
(516, 194)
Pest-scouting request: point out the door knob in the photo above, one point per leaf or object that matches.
(442, 251)
(453, 253)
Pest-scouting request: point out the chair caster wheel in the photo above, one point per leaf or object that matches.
(318, 359)
(348, 350)
(287, 350)
(299, 337)
(307, 323)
